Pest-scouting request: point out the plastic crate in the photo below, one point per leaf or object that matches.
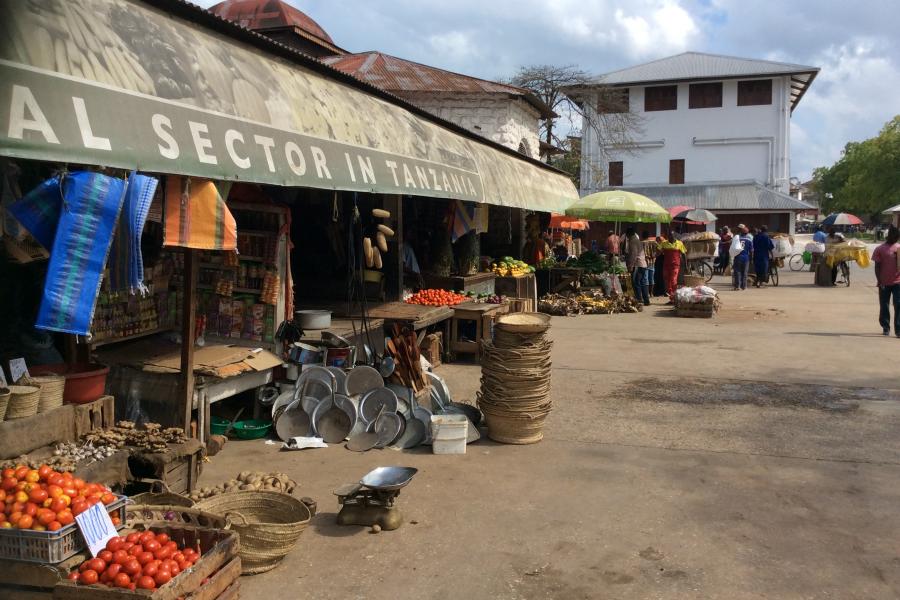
(49, 546)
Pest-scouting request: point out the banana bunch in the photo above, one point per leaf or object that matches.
(510, 267)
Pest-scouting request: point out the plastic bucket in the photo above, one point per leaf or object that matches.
(449, 434)
(84, 383)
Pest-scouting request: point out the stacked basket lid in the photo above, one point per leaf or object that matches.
(515, 379)
(23, 401)
(52, 388)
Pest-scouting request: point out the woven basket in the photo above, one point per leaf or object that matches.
(269, 524)
(161, 495)
(52, 389)
(693, 280)
(155, 514)
(23, 401)
(4, 401)
(523, 429)
(524, 323)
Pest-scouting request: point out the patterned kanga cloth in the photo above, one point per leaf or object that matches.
(196, 216)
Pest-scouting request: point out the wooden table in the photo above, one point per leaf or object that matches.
(479, 283)
(482, 314)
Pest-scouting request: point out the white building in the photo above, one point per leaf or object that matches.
(715, 134)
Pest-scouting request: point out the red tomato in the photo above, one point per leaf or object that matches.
(146, 537)
(136, 550)
(132, 567)
(96, 564)
(126, 546)
(45, 471)
(54, 526)
(178, 556)
(110, 573)
(163, 553)
(120, 557)
(114, 544)
(90, 576)
(122, 580)
(150, 569)
(162, 538)
(106, 555)
(162, 577)
(152, 546)
(146, 582)
(133, 537)
(73, 576)
(145, 557)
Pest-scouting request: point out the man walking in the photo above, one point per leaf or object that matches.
(741, 263)
(636, 262)
(887, 272)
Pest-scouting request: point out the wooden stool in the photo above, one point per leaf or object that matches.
(483, 316)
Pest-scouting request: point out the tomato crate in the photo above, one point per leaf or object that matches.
(213, 577)
(50, 546)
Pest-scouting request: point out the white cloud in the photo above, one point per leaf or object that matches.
(850, 100)
(666, 28)
(455, 46)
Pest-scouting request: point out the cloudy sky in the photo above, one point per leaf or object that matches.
(855, 43)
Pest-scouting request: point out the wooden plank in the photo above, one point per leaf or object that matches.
(232, 593)
(188, 332)
(219, 582)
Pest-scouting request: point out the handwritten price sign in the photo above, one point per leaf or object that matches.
(96, 527)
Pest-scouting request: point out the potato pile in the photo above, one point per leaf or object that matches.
(246, 481)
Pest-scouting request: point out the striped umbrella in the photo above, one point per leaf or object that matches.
(841, 219)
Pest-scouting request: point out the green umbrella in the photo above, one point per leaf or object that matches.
(619, 206)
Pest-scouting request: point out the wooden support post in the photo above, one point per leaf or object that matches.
(188, 333)
(398, 236)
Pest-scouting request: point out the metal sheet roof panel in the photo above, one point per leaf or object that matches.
(749, 195)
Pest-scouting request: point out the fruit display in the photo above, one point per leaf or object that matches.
(587, 303)
(43, 499)
(248, 480)
(547, 263)
(510, 267)
(141, 560)
(435, 297)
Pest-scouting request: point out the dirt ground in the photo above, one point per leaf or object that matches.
(754, 455)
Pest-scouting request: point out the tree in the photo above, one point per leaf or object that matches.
(866, 179)
(561, 87)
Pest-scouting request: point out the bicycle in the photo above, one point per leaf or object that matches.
(702, 267)
(796, 262)
(844, 268)
(773, 272)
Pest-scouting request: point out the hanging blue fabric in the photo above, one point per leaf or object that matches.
(81, 209)
(126, 264)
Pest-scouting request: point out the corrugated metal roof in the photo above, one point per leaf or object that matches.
(893, 209)
(264, 14)
(400, 75)
(699, 65)
(745, 195)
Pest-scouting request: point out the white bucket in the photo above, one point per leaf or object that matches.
(449, 434)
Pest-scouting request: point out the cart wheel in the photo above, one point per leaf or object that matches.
(796, 262)
(773, 275)
(704, 270)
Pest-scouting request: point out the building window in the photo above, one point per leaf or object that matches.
(614, 100)
(661, 97)
(523, 148)
(616, 173)
(705, 95)
(754, 93)
(676, 170)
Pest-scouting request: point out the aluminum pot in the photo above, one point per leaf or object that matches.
(312, 319)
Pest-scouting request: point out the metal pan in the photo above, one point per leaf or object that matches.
(372, 401)
(413, 434)
(388, 479)
(334, 419)
(319, 382)
(292, 422)
(363, 378)
(282, 401)
(388, 428)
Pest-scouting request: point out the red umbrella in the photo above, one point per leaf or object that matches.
(675, 210)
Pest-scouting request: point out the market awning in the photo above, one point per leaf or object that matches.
(163, 86)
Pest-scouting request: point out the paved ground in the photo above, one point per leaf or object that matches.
(754, 455)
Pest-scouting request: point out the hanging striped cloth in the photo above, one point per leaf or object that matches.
(196, 216)
(38, 211)
(462, 219)
(84, 224)
(126, 264)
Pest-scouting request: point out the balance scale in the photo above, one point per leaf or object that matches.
(371, 501)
